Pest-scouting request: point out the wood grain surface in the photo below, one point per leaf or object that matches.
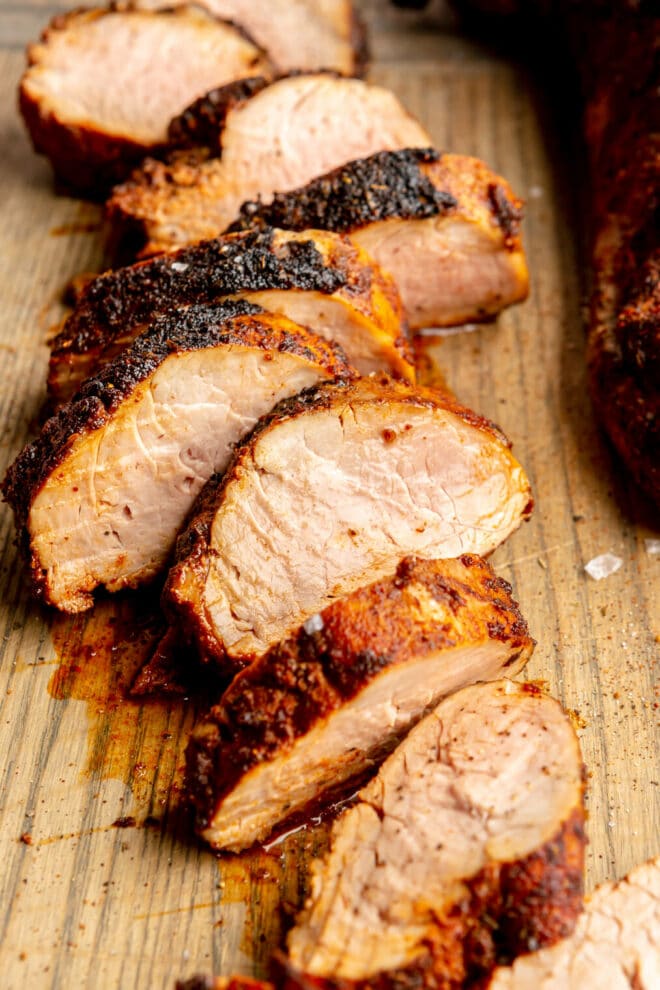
(101, 884)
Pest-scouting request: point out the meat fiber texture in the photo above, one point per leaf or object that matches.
(467, 846)
(253, 139)
(318, 279)
(444, 226)
(326, 706)
(327, 494)
(297, 34)
(103, 84)
(615, 946)
(101, 494)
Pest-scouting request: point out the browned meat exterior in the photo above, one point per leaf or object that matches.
(103, 84)
(317, 279)
(262, 139)
(623, 134)
(466, 847)
(101, 494)
(616, 47)
(297, 34)
(328, 493)
(445, 226)
(323, 708)
(615, 946)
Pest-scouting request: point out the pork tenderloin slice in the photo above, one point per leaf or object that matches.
(318, 279)
(467, 845)
(329, 492)
(297, 34)
(324, 707)
(103, 84)
(101, 494)
(615, 945)
(269, 138)
(445, 226)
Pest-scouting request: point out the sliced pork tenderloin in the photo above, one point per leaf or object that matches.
(467, 846)
(317, 279)
(445, 226)
(329, 492)
(103, 84)
(259, 139)
(297, 34)
(324, 707)
(101, 494)
(615, 945)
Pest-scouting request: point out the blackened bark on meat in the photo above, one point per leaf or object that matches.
(385, 185)
(194, 328)
(201, 124)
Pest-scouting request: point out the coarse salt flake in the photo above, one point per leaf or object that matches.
(313, 624)
(602, 566)
(179, 266)
(652, 546)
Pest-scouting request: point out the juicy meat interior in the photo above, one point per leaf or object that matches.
(297, 34)
(278, 138)
(332, 489)
(107, 82)
(103, 491)
(325, 706)
(468, 842)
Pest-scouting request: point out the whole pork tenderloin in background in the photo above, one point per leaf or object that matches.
(102, 85)
(323, 708)
(250, 139)
(444, 226)
(615, 945)
(297, 34)
(467, 847)
(328, 493)
(318, 279)
(101, 494)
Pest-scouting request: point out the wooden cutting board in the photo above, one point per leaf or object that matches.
(101, 884)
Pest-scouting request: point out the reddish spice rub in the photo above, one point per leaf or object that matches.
(321, 709)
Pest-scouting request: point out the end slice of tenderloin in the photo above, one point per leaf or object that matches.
(329, 492)
(101, 494)
(323, 708)
(261, 138)
(615, 945)
(445, 226)
(467, 846)
(297, 34)
(318, 279)
(103, 84)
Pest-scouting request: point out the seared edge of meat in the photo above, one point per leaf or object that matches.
(84, 156)
(445, 226)
(201, 124)
(616, 942)
(115, 306)
(524, 888)
(426, 609)
(182, 592)
(386, 184)
(194, 328)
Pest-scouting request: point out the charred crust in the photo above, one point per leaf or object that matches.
(506, 212)
(388, 184)
(201, 273)
(202, 123)
(194, 328)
